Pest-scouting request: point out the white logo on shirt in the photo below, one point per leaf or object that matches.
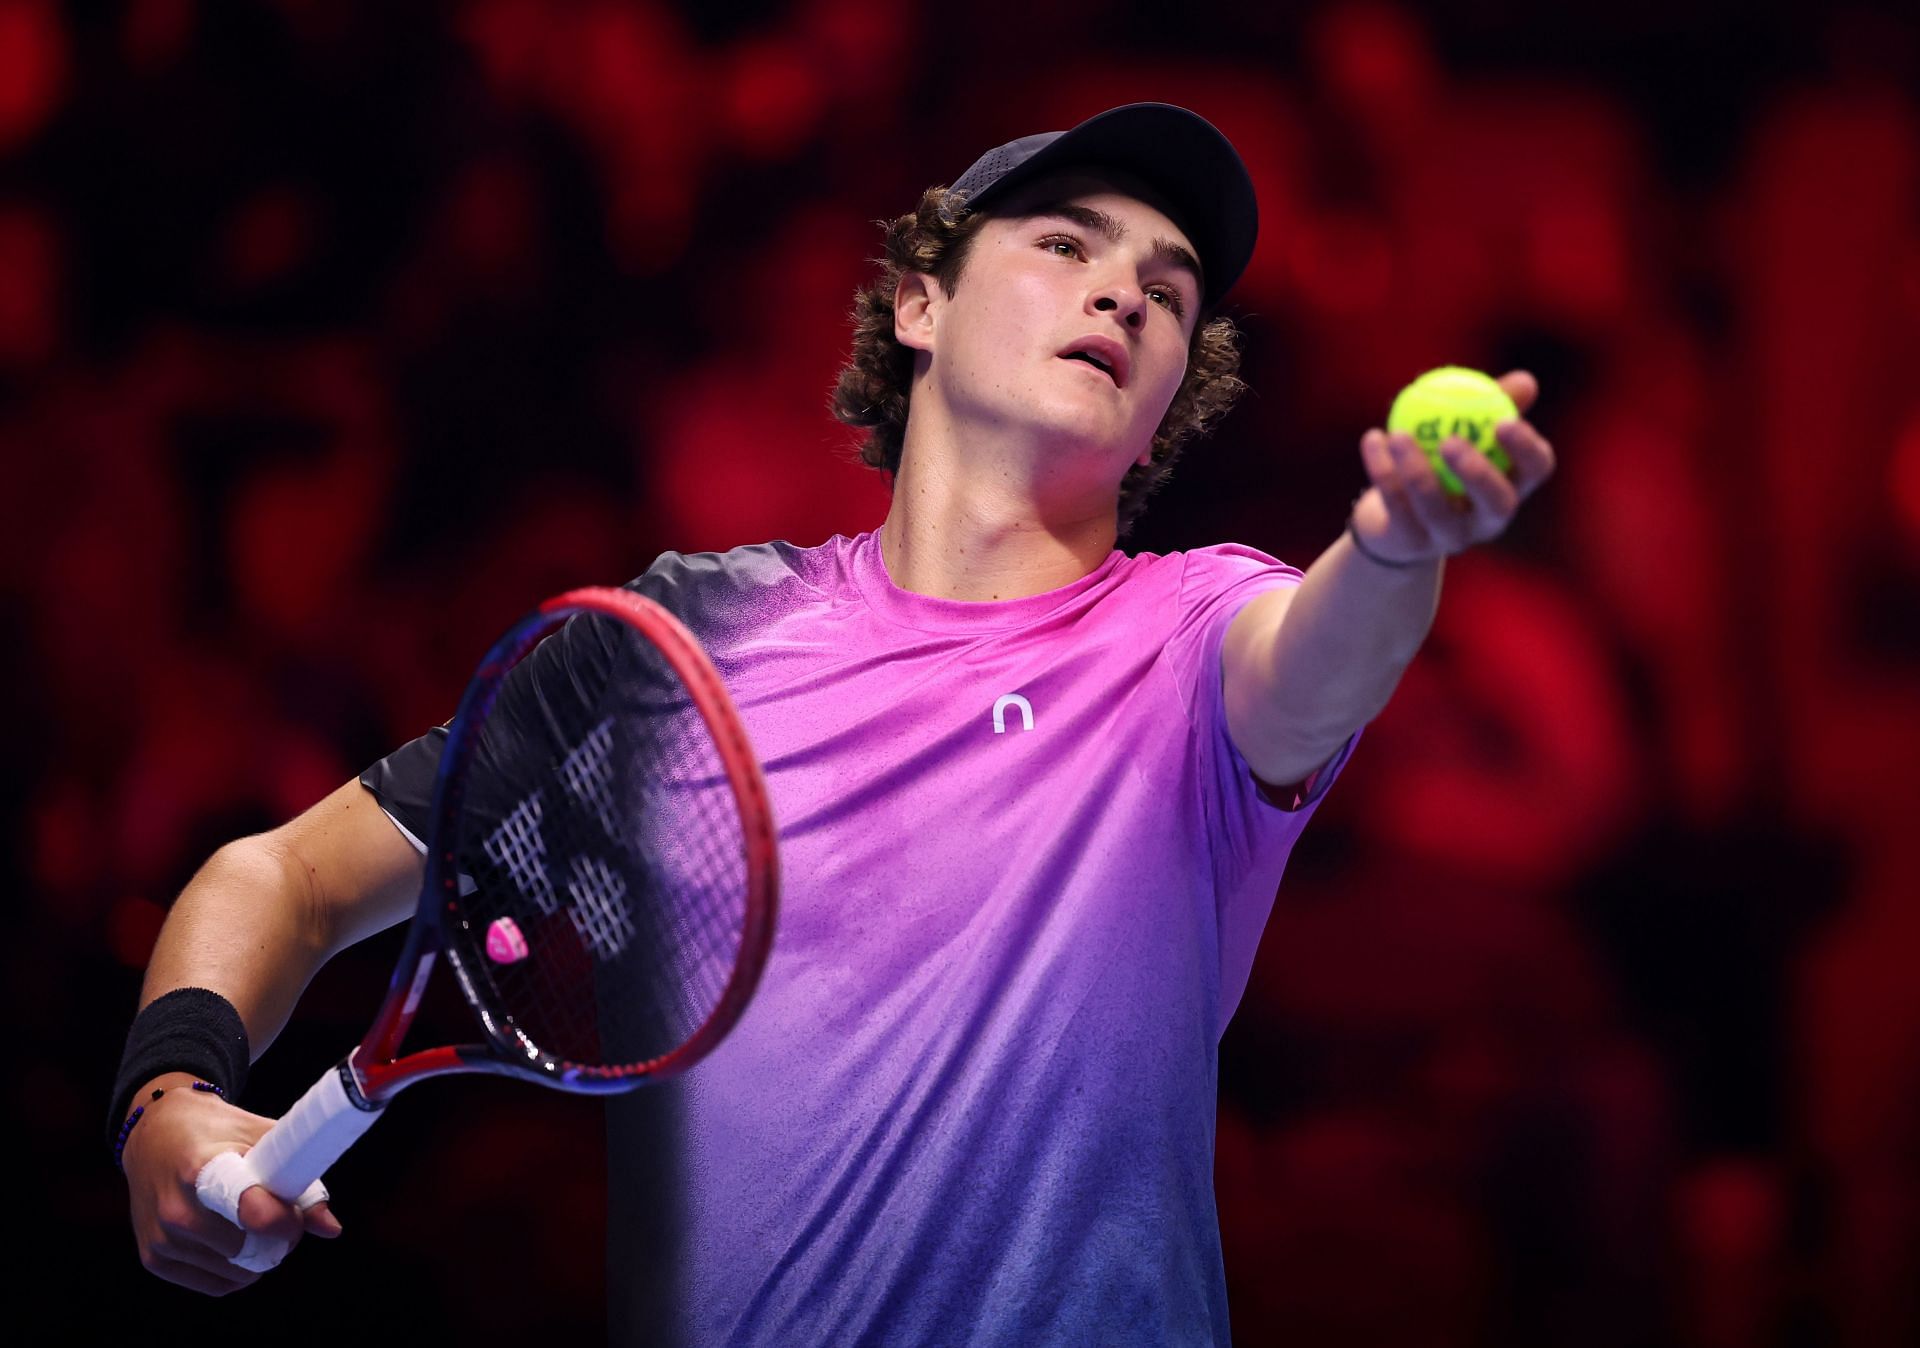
(1000, 712)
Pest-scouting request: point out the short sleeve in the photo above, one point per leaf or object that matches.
(1250, 826)
(403, 782)
(565, 672)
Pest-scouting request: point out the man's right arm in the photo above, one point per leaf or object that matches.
(254, 925)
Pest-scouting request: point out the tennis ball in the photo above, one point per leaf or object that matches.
(1450, 401)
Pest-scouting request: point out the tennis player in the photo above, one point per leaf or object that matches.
(1035, 797)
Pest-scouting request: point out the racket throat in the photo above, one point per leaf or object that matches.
(350, 1082)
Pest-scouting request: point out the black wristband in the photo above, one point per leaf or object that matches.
(187, 1030)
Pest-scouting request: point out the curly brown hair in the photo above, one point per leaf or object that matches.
(877, 381)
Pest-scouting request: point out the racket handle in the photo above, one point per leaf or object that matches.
(310, 1137)
(287, 1161)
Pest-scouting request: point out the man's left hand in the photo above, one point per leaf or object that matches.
(1407, 516)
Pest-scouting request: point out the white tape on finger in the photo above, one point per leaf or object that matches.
(219, 1185)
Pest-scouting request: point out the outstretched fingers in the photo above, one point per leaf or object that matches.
(1490, 498)
(1533, 458)
(1521, 386)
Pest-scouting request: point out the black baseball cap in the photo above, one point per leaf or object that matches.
(1179, 154)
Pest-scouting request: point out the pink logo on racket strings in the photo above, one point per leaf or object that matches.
(505, 944)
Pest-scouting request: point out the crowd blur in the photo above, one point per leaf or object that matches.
(333, 335)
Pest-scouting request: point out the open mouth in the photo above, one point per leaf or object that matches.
(1094, 361)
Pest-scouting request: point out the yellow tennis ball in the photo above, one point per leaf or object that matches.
(1450, 401)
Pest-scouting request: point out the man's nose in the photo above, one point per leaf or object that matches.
(1129, 303)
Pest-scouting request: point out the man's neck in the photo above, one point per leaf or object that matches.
(951, 536)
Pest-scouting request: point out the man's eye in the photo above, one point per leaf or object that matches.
(1064, 247)
(1169, 297)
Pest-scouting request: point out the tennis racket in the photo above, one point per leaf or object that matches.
(601, 875)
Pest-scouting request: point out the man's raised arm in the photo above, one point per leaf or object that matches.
(1305, 667)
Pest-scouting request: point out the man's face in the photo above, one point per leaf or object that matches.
(1070, 322)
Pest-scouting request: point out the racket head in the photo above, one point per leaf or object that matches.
(601, 867)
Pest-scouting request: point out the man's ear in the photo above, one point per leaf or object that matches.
(914, 300)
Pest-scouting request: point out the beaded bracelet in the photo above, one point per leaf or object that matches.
(120, 1142)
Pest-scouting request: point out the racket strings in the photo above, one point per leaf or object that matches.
(608, 869)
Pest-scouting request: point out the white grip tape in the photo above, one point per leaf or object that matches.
(287, 1161)
(310, 1137)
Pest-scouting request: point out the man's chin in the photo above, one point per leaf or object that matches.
(1071, 438)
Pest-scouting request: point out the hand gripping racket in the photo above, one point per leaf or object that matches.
(600, 873)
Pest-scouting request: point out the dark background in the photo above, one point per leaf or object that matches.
(333, 335)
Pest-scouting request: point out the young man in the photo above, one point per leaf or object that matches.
(1035, 797)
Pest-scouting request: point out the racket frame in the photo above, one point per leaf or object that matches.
(374, 1072)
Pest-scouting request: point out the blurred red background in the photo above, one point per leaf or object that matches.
(334, 335)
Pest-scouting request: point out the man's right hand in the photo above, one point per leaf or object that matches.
(179, 1239)
(253, 925)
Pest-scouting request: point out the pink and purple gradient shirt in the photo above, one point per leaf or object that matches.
(1024, 875)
